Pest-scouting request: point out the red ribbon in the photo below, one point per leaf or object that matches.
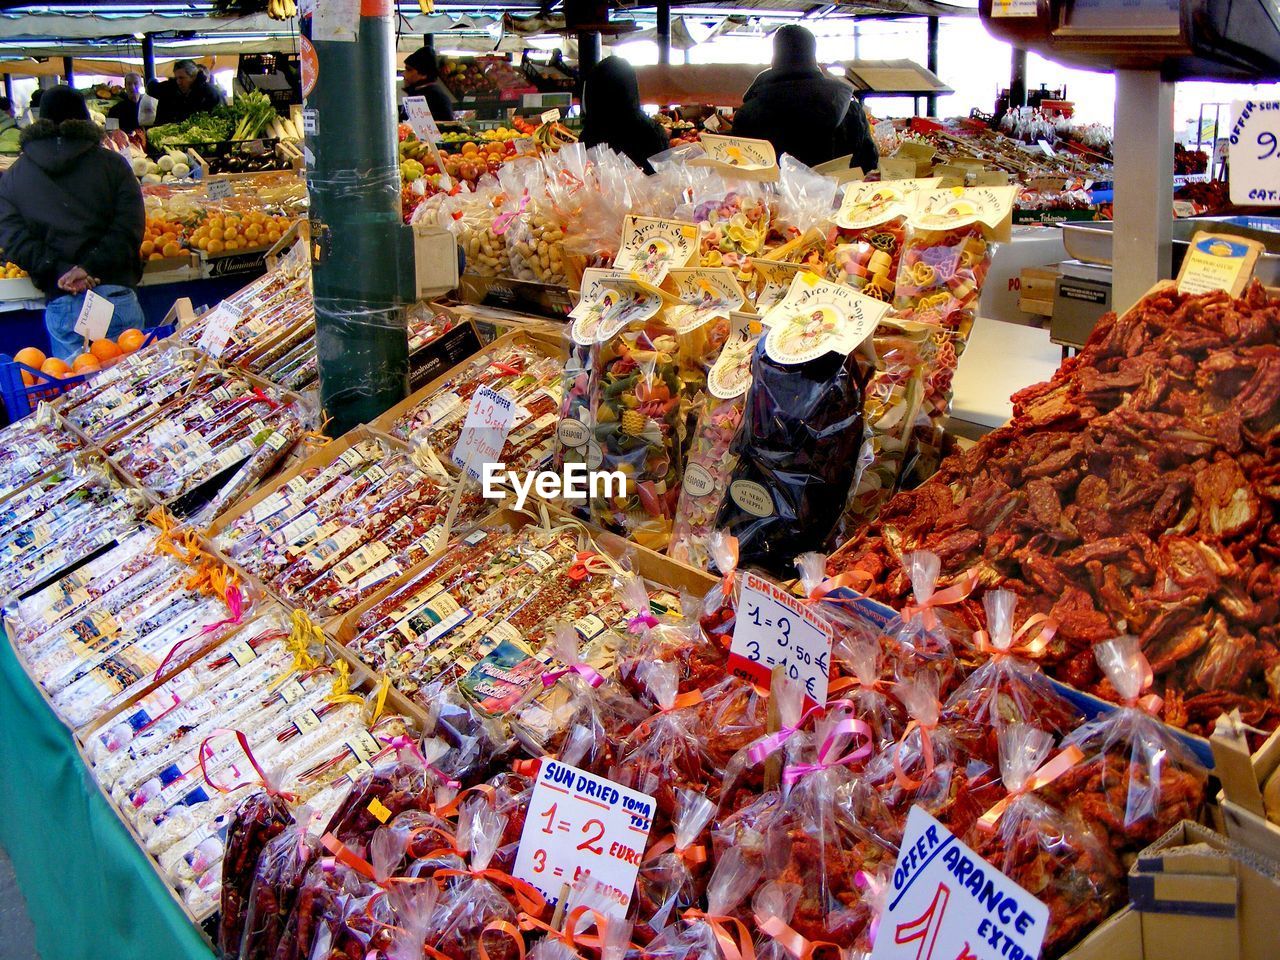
(693, 854)
(527, 896)
(253, 761)
(257, 392)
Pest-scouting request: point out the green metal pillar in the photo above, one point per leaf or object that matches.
(353, 179)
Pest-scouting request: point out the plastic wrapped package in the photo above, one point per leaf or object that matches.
(858, 653)
(1058, 858)
(804, 199)
(697, 935)
(277, 876)
(719, 612)
(871, 227)
(803, 429)
(259, 818)
(575, 426)
(537, 238)
(366, 916)
(669, 882)
(675, 639)
(31, 447)
(614, 184)
(926, 630)
(734, 224)
(471, 216)
(1137, 778)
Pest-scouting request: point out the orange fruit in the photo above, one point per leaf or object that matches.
(229, 233)
(55, 368)
(85, 363)
(105, 350)
(215, 245)
(147, 247)
(33, 358)
(131, 340)
(171, 250)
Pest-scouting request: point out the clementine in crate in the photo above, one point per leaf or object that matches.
(104, 350)
(131, 340)
(85, 363)
(55, 367)
(34, 359)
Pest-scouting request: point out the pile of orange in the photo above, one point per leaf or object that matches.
(100, 352)
(11, 271)
(231, 232)
(162, 238)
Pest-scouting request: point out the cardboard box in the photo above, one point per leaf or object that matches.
(1241, 809)
(1118, 938)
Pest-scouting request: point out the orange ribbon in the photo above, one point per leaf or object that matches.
(679, 703)
(1150, 702)
(740, 949)
(501, 926)
(1047, 773)
(858, 581)
(693, 854)
(790, 939)
(451, 808)
(1031, 648)
(527, 896)
(926, 609)
(926, 750)
(347, 857)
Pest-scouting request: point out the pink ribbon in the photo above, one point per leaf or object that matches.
(402, 742)
(502, 222)
(1151, 702)
(640, 622)
(826, 753)
(1032, 647)
(235, 603)
(875, 888)
(771, 744)
(587, 673)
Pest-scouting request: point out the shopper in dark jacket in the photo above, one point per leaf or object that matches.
(422, 79)
(189, 91)
(803, 111)
(71, 215)
(125, 113)
(611, 114)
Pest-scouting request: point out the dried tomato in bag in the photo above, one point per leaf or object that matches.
(1137, 779)
(924, 631)
(277, 878)
(1056, 857)
(258, 819)
(668, 882)
(697, 935)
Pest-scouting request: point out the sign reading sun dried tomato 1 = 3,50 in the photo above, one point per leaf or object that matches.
(775, 630)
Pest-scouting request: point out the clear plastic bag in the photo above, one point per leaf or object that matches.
(277, 878)
(925, 630)
(259, 818)
(473, 909)
(1059, 859)
(708, 468)
(669, 882)
(698, 937)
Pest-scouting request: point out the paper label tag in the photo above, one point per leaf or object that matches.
(957, 207)
(1215, 262)
(292, 692)
(361, 561)
(550, 116)
(242, 653)
(219, 189)
(217, 332)
(541, 561)
(650, 246)
(706, 294)
(740, 152)
(419, 117)
(698, 481)
(871, 204)
(580, 824)
(379, 810)
(730, 375)
(587, 312)
(95, 316)
(365, 747)
(1013, 8)
(573, 433)
(590, 626)
(623, 303)
(817, 317)
(773, 280)
(1254, 171)
(946, 901)
(484, 432)
(774, 629)
(307, 722)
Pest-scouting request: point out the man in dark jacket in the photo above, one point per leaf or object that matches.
(802, 110)
(188, 92)
(422, 79)
(71, 215)
(125, 112)
(611, 114)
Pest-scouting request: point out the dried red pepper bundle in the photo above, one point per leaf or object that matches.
(1056, 857)
(668, 882)
(403, 784)
(1009, 688)
(365, 918)
(1137, 779)
(277, 878)
(325, 885)
(258, 819)
(508, 795)
(417, 917)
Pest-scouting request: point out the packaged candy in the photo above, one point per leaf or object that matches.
(1059, 859)
(798, 445)
(259, 818)
(1137, 778)
(276, 878)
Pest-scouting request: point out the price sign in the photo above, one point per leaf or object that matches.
(550, 116)
(775, 629)
(712, 122)
(484, 432)
(217, 332)
(946, 902)
(420, 119)
(219, 189)
(580, 824)
(95, 316)
(1255, 152)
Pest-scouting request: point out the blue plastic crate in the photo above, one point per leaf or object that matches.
(20, 399)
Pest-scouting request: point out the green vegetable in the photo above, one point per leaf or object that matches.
(255, 113)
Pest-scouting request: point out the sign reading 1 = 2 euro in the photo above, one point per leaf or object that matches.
(946, 903)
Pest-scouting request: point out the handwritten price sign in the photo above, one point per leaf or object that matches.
(947, 903)
(1254, 153)
(484, 432)
(583, 825)
(775, 629)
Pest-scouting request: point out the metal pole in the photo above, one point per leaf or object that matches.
(588, 56)
(1142, 244)
(664, 31)
(1018, 79)
(352, 176)
(148, 59)
(8, 87)
(68, 71)
(932, 63)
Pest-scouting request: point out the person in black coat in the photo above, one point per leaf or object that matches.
(189, 91)
(422, 79)
(803, 111)
(611, 114)
(71, 215)
(125, 112)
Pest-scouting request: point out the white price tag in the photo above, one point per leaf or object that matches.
(95, 316)
(580, 824)
(1254, 176)
(484, 432)
(712, 122)
(550, 116)
(775, 629)
(217, 332)
(310, 123)
(220, 189)
(946, 902)
(420, 119)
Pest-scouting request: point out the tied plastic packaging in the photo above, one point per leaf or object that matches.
(259, 818)
(277, 877)
(708, 469)
(675, 639)
(669, 884)
(1056, 857)
(472, 905)
(697, 936)
(1137, 778)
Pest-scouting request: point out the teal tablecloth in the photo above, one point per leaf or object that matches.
(90, 891)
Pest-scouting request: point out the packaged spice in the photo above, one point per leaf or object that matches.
(259, 818)
(803, 428)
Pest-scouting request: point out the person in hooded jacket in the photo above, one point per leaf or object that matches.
(611, 114)
(803, 111)
(71, 215)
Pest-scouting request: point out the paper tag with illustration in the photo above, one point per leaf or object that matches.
(586, 314)
(818, 317)
(956, 207)
(773, 280)
(625, 302)
(740, 154)
(1218, 262)
(730, 375)
(705, 295)
(870, 204)
(650, 246)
